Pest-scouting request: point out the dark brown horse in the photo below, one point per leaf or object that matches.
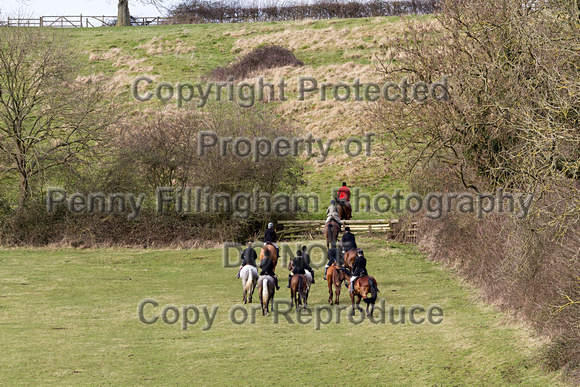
(299, 287)
(333, 279)
(362, 287)
(349, 258)
(273, 254)
(344, 210)
(331, 230)
(266, 292)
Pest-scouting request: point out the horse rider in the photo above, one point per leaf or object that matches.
(333, 256)
(306, 256)
(267, 266)
(344, 194)
(359, 268)
(332, 214)
(348, 241)
(306, 259)
(248, 256)
(299, 266)
(270, 237)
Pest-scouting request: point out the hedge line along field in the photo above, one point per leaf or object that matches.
(70, 317)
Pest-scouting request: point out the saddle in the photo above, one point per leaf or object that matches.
(332, 219)
(359, 277)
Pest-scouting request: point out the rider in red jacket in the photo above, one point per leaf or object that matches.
(344, 193)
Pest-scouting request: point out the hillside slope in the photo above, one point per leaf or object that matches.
(337, 50)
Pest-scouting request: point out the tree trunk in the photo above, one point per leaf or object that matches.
(123, 15)
(24, 191)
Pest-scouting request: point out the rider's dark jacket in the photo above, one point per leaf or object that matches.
(249, 257)
(333, 255)
(359, 267)
(267, 266)
(300, 266)
(348, 241)
(270, 235)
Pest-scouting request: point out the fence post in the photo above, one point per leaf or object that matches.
(81, 20)
(41, 21)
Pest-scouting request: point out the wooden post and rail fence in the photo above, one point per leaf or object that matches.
(79, 21)
(295, 229)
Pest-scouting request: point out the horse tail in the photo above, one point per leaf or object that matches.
(336, 278)
(249, 282)
(300, 290)
(374, 291)
(265, 292)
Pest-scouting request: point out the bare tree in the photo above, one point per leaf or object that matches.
(511, 121)
(48, 115)
(164, 149)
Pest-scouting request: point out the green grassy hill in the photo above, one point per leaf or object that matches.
(338, 50)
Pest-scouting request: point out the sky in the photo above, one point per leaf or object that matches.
(37, 8)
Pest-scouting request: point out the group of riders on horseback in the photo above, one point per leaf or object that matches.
(301, 263)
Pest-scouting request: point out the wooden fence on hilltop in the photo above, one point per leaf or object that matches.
(79, 21)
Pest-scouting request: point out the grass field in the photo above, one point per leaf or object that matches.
(69, 317)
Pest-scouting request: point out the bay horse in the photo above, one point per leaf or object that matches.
(362, 287)
(249, 276)
(266, 292)
(306, 272)
(333, 279)
(299, 288)
(344, 210)
(349, 258)
(331, 230)
(273, 254)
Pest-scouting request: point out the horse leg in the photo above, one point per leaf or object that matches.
(358, 304)
(245, 292)
(330, 293)
(252, 291)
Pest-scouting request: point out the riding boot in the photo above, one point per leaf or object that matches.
(289, 279)
(325, 270)
(312, 274)
(351, 287)
(276, 282)
(238, 276)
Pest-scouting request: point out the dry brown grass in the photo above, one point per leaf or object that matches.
(323, 39)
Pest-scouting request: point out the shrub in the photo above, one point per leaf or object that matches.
(259, 59)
